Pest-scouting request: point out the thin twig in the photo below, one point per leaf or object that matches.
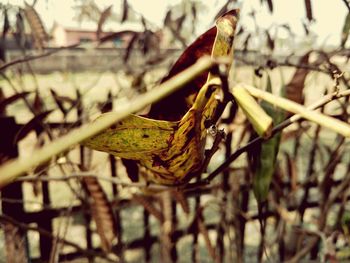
(34, 57)
(80, 175)
(278, 128)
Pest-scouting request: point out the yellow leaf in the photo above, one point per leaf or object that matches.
(171, 150)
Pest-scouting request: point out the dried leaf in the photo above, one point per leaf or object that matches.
(6, 24)
(20, 34)
(308, 8)
(37, 27)
(223, 9)
(125, 11)
(270, 5)
(132, 169)
(346, 30)
(270, 41)
(102, 214)
(103, 18)
(204, 231)
(294, 89)
(167, 18)
(246, 42)
(292, 172)
(6, 102)
(60, 101)
(108, 104)
(194, 11)
(34, 124)
(179, 22)
(306, 29)
(130, 46)
(170, 151)
(180, 197)
(176, 105)
(198, 226)
(38, 104)
(143, 21)
(147, 204)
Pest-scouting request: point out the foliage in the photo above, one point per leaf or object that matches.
(189, 191)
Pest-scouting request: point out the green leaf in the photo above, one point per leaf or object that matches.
(134, 137)
(266, 154)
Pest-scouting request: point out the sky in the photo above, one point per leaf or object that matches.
(329, 14)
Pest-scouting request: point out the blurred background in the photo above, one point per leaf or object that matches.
(63, 63)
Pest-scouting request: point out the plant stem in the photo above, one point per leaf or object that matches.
(291, 106)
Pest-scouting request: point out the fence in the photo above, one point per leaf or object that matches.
(104, 59)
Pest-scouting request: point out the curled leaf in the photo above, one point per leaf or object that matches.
(173, 107)
(171, 150)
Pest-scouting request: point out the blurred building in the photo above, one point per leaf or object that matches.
(65, 36)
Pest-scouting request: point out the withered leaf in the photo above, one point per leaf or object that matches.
(175, 106)
(6, 25)
(5, 102)
(36, 25)
(292, 172)
(38, 104)
(294, 89)
(103, 18)
(60, 101)
(270, 41)
(130, 46)
(167, 18)
(125, 11)
(194, 11)
(34, 124)
(19, 34)
(148, 205)
(246, 42)
(270, 5)
(102, 213)
(170, 151)
(223, 9)
(308, 10)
